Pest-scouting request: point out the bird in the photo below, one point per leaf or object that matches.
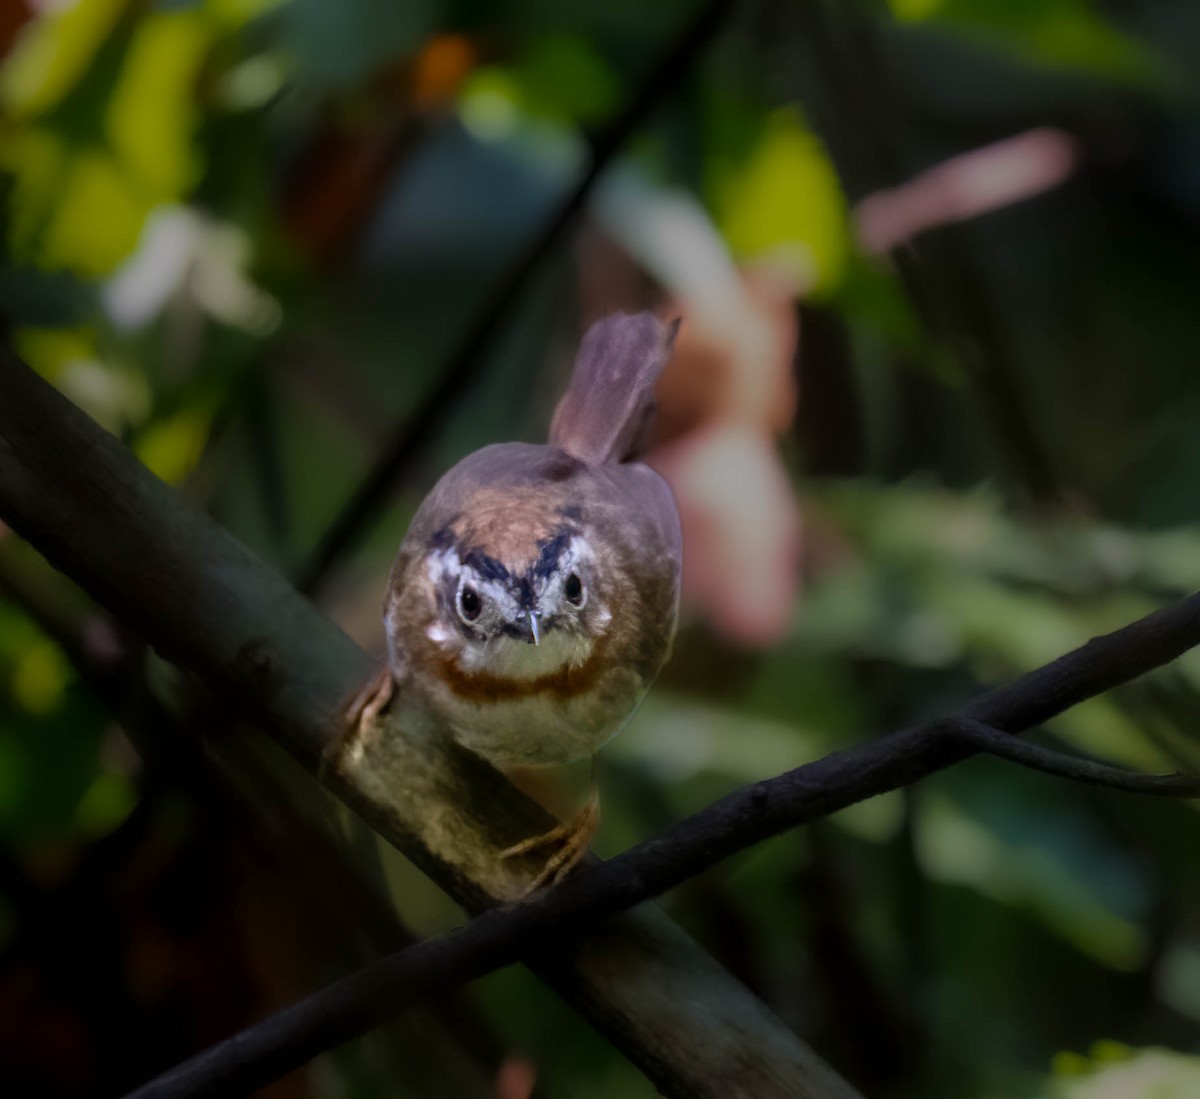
(535, 596)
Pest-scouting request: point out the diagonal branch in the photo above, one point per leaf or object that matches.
(663, 77)
(363, 1000)
(203, 601)
(174, 756)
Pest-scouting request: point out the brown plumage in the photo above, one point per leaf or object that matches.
(533, 599)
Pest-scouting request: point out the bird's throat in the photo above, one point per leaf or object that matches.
(516, 659)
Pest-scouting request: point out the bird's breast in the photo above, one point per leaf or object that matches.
(538, 731)
(509, 670)
(535, 721)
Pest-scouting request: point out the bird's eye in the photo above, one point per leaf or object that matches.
(469, 604)
(573, 590)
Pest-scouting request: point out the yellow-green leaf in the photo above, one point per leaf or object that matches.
(785, 199)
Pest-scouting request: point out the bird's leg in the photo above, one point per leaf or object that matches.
(571, 838)
(366, 705)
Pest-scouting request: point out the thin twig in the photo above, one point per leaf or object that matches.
(424, 421)
(984, 738)
(749, 815)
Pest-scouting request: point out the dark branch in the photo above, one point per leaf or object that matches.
(743, 818)
(174, 757)
(983, 738)
(424, 421)
(202, 600)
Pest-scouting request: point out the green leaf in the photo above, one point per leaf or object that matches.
(1115, 1070)
(785, 199)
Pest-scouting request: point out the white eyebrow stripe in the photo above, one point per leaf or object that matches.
(441, 562)
(579, 549)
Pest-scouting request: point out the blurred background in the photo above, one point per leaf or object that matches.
(933, 421)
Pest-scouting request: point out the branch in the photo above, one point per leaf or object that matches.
(983, 738)
(202, 600)
(421, 424)
(173, 754)
(754, 813)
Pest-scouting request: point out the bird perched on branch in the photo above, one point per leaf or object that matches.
(534, 598)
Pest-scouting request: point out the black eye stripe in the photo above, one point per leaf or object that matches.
(485, 567)
(550, 551)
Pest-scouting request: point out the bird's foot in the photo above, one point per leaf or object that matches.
(571, 838)
(360, 713)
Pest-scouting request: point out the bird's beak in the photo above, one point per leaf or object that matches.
(525, 626)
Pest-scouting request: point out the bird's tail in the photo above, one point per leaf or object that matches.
(603, 415)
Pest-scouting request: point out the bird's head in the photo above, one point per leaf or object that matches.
(513, 594)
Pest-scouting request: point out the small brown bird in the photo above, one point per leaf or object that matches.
(534, 598)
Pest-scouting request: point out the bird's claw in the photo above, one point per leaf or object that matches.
(571, 837)
(360, 713)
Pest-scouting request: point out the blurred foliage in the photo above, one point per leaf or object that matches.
(753, 197)
(246, 235)
(1114, 1070)
(1066, 34)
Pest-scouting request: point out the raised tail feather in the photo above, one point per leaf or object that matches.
(610, 399)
